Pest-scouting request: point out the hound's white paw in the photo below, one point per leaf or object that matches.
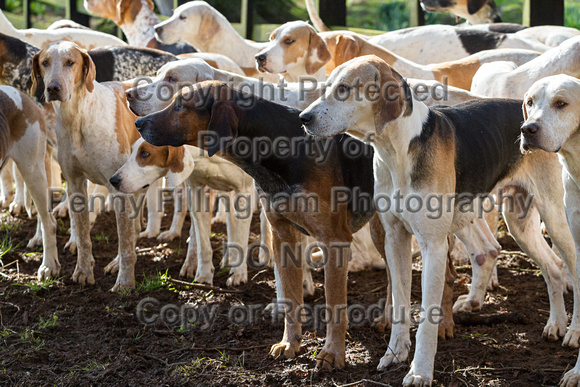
(284, 348)
(168, 236)
(50, 270)
(16, 208)
(395, 355)
(205, 275)
(238, 276)
(331, 356)
(571, 339)
(113, 266)
(149, 234)
(71, 246)
(84, 274)
(571, 378)
(554, 330)
(493, 281)
(187, 270)
(61, 210)
(464, 305)
(35, 241)
(413, 379)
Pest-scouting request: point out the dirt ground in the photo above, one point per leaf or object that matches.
(60, 333)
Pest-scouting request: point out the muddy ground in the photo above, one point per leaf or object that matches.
(60, 333)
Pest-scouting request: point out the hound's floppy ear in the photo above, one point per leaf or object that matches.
(150, 4)
(122, 7)
(179, 164)
(37, 88)
(524, 107)
(89, 71)
(347, 48)
(224, 123)
(395, 98)
(317, 54)
(209, 26)
(475, 5)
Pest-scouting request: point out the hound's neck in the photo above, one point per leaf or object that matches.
(487, 14)
(568, 156)
(319, 76)
(228, 42)
(392, 146)
(141, 31)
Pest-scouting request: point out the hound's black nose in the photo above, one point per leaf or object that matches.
(53, 88)
(140, 124)
(115, 181)
(130, 96)
(306, 118)
(260, 57)
(530, 129)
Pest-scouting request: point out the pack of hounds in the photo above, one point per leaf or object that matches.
(477, 109)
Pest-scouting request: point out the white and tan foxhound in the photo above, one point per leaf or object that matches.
(445, 151)
(23, 139)
(95, 132)
(552, 123)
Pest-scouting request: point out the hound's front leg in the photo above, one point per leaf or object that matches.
(434, 252)
(399, 264)
(335, 273)
(126, 217)
(285, 238)
(81, 230)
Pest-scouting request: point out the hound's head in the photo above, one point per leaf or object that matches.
(295, 49)
(551, 113)
(211, 107)
(120, 11)
(150, 97)
(456, 7)
(363, 96)
(194, 22)
(148, 163)
(60, 70)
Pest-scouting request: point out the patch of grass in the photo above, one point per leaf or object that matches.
(92, 365)
(6, 245)
(101, 238)
(10, 226)
(30, 337)
(149, 284)
(50, 322)
(190, 368)
(61, 228)
(37, 286)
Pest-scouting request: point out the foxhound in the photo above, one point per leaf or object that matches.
(95, 133)
(455, 153)
(137, 19)
(41, 38)
(552, 120)
(200, 24)
(148, 163)
(297, 51)
(23, 139)
(504, 79)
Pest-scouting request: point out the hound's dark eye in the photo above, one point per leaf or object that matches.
(182, 17)
(178, 104)
(288, 41)
(170, 79)
(45, 63)
(69, 63)
(144, 154)
(530, 102)
(561, 104)
(343, 89)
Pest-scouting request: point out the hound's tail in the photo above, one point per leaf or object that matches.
(314, 17)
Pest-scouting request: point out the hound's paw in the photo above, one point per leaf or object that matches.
(237, 277)
(168, 236)
(571, 379)
(416, 380)
(395, 355)
(120, 286)
(571, 339)
(61, 211)
(382, 322)
(113, 266)
(205, 275)
(187, 270)
(148, 234)
(493, 281)
(71, 246)
(285, 349)
(463, 304)
(331, 356)
(446, 328)
(84, 275)
(35, 241)
(553, 330)
(16, 208)
(51, 270)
